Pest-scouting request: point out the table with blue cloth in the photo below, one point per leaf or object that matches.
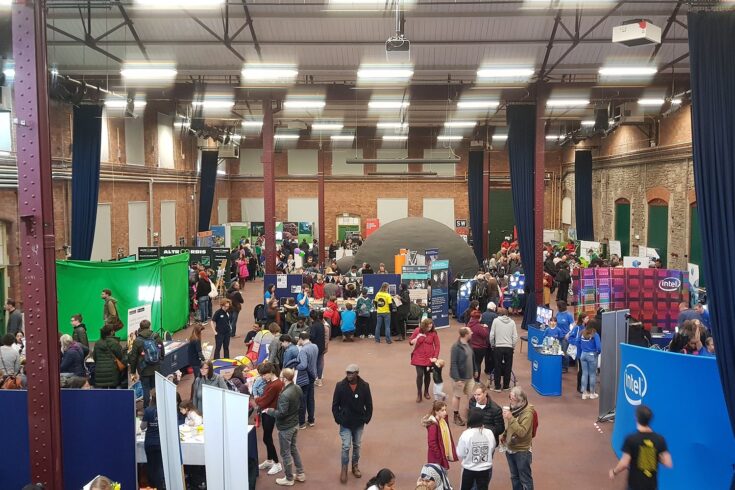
(546, 372)
(662, 339)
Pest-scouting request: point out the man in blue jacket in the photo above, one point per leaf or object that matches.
(306, 368)
(352, 408)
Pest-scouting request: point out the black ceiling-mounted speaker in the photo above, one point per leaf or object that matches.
(602, 118)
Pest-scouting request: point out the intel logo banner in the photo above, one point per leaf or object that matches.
(636, 384)
(669, 284)
(535, 365)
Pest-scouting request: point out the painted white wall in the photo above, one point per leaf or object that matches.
(441, 169)
(250, 163)
(304, 209)
(391, 209)
(165, 141)
(134, 142)
(441, 210)
(253, 209)
(339, 165)
(222, 205)
(102, 246)
(303, 162)
(137, 226)
(105, 138)
(392, 153)
(168, 223)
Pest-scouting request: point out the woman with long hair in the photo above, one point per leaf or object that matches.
(204, 302)
(384, 480)
(574, 336)
(269, 399)
(426, 346)
(590, 351)
(439, 437)
(194, 349)
(208, 377)
(473, 306)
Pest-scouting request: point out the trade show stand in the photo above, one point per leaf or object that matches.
(176, 357)
(662, 339)
(535, 339)
(546, 371)
(192, 444)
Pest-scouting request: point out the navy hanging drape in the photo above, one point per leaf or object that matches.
(713, 139)
(521, 151)
(474, 191)
(583, 195)
(207, 182)
(85, 178)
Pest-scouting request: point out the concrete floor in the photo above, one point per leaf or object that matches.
(569, 451)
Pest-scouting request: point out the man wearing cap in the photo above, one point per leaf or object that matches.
(352, 408)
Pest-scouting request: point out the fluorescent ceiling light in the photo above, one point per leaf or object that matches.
(384, 73)
(589, 122)
(9, 72)
(392, 125)
(505, 72)
(143, 72)
(395, 137)
(388, 104)
(286, 136)
(327, 126)
(123, 103)
(4, 153)
(675, 101)
(252, 124)
(265, 73)
(182, 124)
(551, 137)
(5, 3)
(500, 137)
(566, 102)
(460, 124)
(213, 104)
(449, 137)
(179, 4)
(651, 102)
(221, 172)
(342, 137)
(627, 71)
(477, 104)
(304, 104)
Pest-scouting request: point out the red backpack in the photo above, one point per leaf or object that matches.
(535, 423)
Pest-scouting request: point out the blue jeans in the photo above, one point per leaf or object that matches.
(350, 437)
(320, 366)
(589, 370)
(520, 470)
(384, 319)
(233, 321)
(204, 306)
(565, 359)
(289, 452)
(307, 403)
(147, 383)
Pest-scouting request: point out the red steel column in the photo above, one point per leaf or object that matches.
(320, 203)
(485, 202)
(538, 192)
(35, 209)
(269, 188)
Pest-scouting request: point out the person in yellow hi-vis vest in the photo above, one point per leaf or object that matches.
(383, 304)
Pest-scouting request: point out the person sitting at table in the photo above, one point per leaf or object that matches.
(290, 312)
(239, 380)
(703, 314)
(709, 346)
(193, 417)
(270, 293)
(637, 335)
(318, 289)
(208, 377)
(332, 288)
(381, 269)
(152, 443)
(350, 291)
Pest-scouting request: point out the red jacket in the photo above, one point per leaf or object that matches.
(436, 453)
(270, 394)
(332, 314)
(425, 348)
(480, 334)
(318, 291)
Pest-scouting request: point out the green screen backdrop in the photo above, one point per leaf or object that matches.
(162, 283)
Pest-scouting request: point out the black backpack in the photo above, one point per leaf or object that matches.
(480, 289)
(259, 312)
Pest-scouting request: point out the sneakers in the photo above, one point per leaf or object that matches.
(362, 336)
(458, 420)
(285, 482)
(311, 424)
(594, 395)
(266, 464)
(303, 426)
(371, 336)
(497, 390)
(585, 396)
(300, 477)
(319, 382)
(275, 469)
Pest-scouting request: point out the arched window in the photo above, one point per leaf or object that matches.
(658, 228)
(622, 225)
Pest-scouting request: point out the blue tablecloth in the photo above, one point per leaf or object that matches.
(662, 340)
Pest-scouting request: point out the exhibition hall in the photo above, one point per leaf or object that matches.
(367, 244)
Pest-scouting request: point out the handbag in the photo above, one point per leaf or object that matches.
(10, 382)
(213, 293)
(119, 364)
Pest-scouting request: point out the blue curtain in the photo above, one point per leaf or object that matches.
(85, 179)
(474, 191)
(207, 182)
(583, 195)
(521, 151)
(713, 139)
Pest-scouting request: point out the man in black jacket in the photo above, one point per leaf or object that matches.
(492, 414)
(352, 408)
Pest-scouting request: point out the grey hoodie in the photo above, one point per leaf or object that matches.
(503, 332)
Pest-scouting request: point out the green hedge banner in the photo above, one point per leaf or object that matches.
(162, 283)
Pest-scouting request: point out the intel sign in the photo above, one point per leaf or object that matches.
(636, 384)
(669, 284)
(535, 365)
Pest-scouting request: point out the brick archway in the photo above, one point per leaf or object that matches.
(658, 193)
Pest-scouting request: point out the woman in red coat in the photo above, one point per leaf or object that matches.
(425, 342)
(441, 443)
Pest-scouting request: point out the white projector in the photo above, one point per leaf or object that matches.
(398, 49)
(637, 33)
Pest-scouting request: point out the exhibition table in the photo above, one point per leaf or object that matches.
(176, 357)
(535, 339)
(662, 339)
(192, 445)
(546, 372)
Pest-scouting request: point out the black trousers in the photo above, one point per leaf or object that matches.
(222, 341)
(154, 466)
(423, 377)
(503, 366)
(362, 327)
(476, 479)
(479, 356)
(269, 423)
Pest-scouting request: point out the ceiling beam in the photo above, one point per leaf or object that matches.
(88, 43)
(550, 46)
(665, 33)
(249, 23)
(673, 62)
(131, 28)
(220, 40)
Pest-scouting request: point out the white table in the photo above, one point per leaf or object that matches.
(192, 446)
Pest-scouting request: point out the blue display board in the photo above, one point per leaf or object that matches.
(440, 293)
(546, 373)
(98, 437)
(671, 385)
(535, 338)
(294, 283)
(373, 282)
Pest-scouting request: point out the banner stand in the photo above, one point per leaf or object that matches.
(168, 427)
(614, 332)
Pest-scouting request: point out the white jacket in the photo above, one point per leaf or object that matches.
(475, 448)
(503, 332)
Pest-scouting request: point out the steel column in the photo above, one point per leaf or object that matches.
(36, 227)
(485, 202)
(320, 204)
(538, 192)
(269, 187)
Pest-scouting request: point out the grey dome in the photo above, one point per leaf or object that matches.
(417, 234)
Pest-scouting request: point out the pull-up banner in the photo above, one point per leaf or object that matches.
(703, 454)
(440, 292)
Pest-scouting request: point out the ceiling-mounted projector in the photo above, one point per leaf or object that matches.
(398, 49)
(637, 32)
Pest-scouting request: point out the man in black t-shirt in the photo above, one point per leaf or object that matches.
(642, 453)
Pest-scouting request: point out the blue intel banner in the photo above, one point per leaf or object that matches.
(685, 394)
(440, 293)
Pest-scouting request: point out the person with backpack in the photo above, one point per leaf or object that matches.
(210, 378)
(108, 357)
(520, 421)
(145, 358)
(480, 292)
(364, 305)
(235, 296)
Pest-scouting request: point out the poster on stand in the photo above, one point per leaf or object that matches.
(589, 249)
(430, 255)
(615, 248)
(204, 238)
(416, 278)
(137, 315)
(635, 262)
(306, 232)
(440, 293)
(693, 282)
(371, 225)
(218, 236)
